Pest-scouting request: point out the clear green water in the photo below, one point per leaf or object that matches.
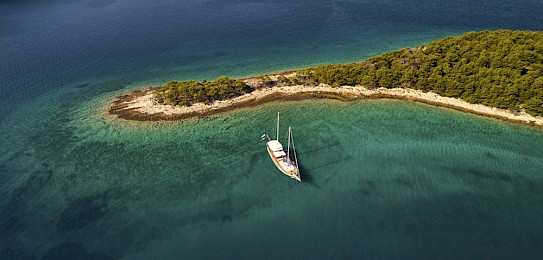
(381, 178)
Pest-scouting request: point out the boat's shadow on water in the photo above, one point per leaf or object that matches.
(307, 173)
(306, 176)
(324, 147)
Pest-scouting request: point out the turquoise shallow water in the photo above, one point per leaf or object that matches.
(382, 178)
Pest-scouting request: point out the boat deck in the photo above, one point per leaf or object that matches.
(281, 161)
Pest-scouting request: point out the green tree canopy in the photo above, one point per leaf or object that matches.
(500, 68)
(190, 92)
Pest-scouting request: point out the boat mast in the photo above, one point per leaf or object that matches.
(288, 145)
(295, 157)
(277, 137)
(294, 147)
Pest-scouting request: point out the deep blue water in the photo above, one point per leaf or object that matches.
(50, 44)
(383, 179)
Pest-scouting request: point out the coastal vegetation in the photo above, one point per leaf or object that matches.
(190, 92)
(501, 68)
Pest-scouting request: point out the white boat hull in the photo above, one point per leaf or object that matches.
(284, 164)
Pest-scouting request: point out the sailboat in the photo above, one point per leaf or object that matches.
(281, 159)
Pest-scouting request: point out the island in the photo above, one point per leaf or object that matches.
(493, 73)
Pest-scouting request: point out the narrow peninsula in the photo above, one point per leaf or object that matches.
(494, 73)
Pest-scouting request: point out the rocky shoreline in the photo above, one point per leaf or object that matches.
(140, 105)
